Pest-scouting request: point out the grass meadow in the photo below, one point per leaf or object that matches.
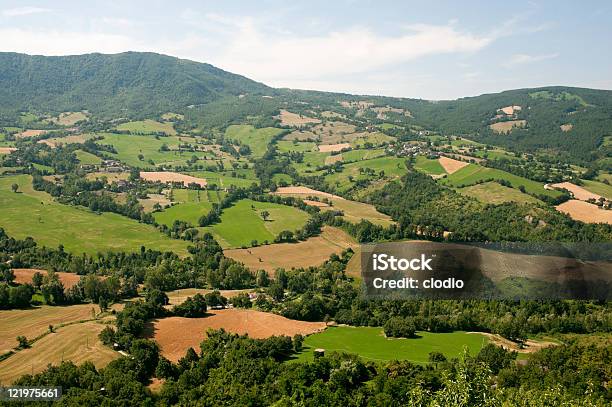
(371, 344)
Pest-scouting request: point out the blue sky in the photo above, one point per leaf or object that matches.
(425, 49)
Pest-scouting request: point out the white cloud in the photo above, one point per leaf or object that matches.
(281, 60)
(522, 59)
(23, 11)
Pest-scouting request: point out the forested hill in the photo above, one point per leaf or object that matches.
(111, 84)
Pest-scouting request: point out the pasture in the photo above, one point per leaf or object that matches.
(598, 188)
(177, 334)
(72, 139)
(68, 118)
(371, 344)
(256, 139)
(284, 146)
(311, 252)
(87, 158)
(129, 147)
(171, 177)
(294, 119)
(78, 343)
(225, 179)
(474, 173)
(192, 204)
(493, 192)
(428, 166)
(389, 167)
(36, 214)
(148, 126)
(242, 223)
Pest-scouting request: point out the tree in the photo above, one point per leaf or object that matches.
(23, 342)
(265, 215)
(6, 274)
(14, 187)
(436, 357)
(37, 280)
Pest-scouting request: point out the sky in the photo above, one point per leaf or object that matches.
(419, 49)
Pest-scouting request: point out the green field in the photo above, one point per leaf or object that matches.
(147, 127)
(190, 206)
(356, 155)
(87, 158)
(428, 166)
(375, 138)
(241, 224)
(598, 188)
(392, 167)
(371, 344)
(224, 179)
(473, 173)
(284, 146)
(257, 139)
(493, 192)
(130, 146)
(35, 214)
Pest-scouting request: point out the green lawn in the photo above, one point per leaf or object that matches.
(36, 214)
(87, 158)
(428, 166)
(241, 224)
(147, 127)
(472, 173)
(257, 139)
(371, 344)
(356, 155)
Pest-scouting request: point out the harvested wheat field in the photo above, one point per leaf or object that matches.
(152, 199)
(177, 334)
(110, 176)
(74, 139)
(69, 118)
(33, 322)
(510, 110)
(329, 148)
(7, 150)
(506, 127)
(24, 276)
(293, 119)
(585, 212)
(451, 165)
(30, 133)
(179, 296)
(566, 127)
(315, 203)
(311, 252)
(78, 343)
(332, 159)
(298, 190)
(578, 192)
(168, 176)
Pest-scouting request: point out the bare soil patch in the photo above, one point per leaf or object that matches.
(176, 334)
(168, 177)
(179, 296)
(566, 127)
(297, 120)
(24, 276)
(578, 192)
(7, 150)
(69, 118)
(585, 212)
(506, 127)
(327, 148)
(312, 252)
(510, 110)
(153, 199)
(451, 165)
